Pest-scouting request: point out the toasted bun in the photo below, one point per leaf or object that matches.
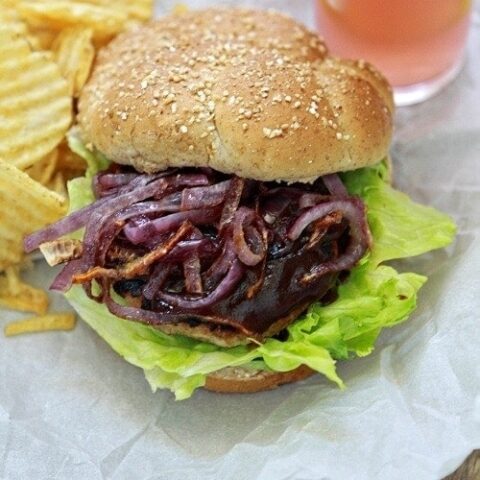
(241, 380)
(246, 92)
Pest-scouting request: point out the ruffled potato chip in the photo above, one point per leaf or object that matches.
(41, 38)
(135, 9)
(46, 53)
(25, 206)
(35, 108)
(74, 52)
(44, 170)
(105, 21)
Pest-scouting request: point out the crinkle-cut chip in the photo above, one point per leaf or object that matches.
(44, 170)
(11, 18)
(38, 38)
(58, 184)
(74, 54)
(8, 15)
(35, 108)
(135, 9)
(59, 14)
(45, 323)
(11, 4)
(18, 295)
(41, 38)
(25, 206)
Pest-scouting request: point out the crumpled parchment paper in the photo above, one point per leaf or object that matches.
(71, 409)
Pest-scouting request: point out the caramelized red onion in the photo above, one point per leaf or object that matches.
(334, 185)
(191, 237)
(203, 247)
(139, 189)
(157, 279)
(246, 253)
(352, 210)
(142, 231)
(109, 183)
(223, 289)
(136, 314)
(191, 271)
(232, 201)
(221, 265)
(274, 207)
(308, 200)
(203, 197)
(63, 281)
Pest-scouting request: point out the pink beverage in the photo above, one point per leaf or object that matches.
(415, 43)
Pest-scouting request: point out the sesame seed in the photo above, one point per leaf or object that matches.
(183, 129)
(170, 99)
(272, 132)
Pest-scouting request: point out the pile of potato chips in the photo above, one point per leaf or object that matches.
(47, 49)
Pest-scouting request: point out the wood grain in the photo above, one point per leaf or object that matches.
(469, 470)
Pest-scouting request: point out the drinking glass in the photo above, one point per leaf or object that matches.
(417, 44)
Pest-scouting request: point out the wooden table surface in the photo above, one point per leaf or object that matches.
(470, 470)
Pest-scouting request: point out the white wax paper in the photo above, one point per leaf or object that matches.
(71, 409)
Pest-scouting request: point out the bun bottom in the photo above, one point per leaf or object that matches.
(242, 380)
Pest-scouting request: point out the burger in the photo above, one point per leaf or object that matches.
(233, 224)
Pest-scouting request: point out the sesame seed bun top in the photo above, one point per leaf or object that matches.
(242, 91)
